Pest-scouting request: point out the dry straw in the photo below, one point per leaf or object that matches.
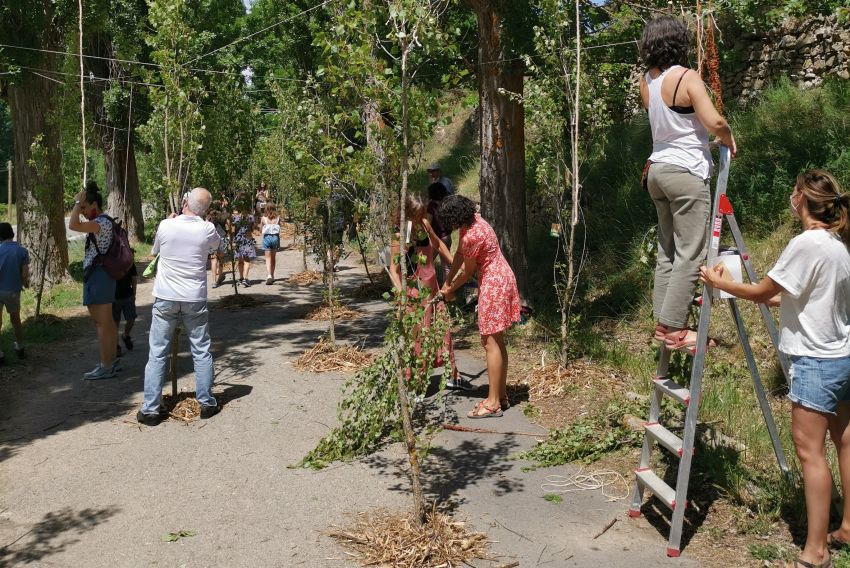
(394, 540)
(340, 312)
(305, 278)
(324, 358)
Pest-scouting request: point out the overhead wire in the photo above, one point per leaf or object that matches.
(265, 29)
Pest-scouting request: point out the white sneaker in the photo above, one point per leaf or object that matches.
(101, 373)
(92, 372)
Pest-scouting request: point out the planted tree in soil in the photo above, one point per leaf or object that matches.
(403, 30)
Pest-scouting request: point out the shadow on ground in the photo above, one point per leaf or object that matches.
(53, 534)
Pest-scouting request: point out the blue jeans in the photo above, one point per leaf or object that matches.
(164, 317)
(820, 384)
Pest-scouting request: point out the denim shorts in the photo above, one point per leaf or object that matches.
(820, 384)
(11, 301)
(271, 242)
(99, 288)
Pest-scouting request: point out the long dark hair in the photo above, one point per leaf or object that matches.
(664, 43)
(826, 202)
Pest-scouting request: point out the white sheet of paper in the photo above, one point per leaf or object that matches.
(733, 267)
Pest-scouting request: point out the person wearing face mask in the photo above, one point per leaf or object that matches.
(98, 286)
(811, 280)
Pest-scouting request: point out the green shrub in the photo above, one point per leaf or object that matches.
(786, 132)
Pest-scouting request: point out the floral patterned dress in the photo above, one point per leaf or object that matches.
(498, 297)
(243, 242)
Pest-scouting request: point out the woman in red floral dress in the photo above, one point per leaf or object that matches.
(498, 298)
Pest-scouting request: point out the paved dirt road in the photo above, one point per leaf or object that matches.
(84, 485)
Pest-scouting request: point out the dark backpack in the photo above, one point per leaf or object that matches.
(118, 258)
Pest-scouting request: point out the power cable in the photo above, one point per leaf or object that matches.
(265, 29)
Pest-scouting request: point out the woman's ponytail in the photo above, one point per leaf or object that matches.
(826, 202)
(842, 221)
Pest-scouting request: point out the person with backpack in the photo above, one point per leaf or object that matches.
(98, 285)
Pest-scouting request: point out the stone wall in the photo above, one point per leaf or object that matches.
(805, 51)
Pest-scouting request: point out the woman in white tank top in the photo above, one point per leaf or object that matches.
(681, 117)
(270, 225)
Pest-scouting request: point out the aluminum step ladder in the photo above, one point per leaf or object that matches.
(675, 498)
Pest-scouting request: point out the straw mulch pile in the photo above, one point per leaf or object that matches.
(323, 358)
(548, 380)
(373, 290)
(305, 278)
(393, 540)
(341, 312)
(235, 302)
(185, 407)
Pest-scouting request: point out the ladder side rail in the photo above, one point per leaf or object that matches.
(759, 387)
(715, 223)
(769, 322)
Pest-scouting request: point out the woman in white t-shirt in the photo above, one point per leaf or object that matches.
(812, 279)
(270, 225)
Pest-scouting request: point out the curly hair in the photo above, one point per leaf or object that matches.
(456, 211)
(664, 43)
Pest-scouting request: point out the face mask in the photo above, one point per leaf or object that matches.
(793, 207)
(90, 215)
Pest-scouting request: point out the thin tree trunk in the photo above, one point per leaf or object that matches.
(329, 271)
(405, 336)
(40, 206)
(576, 191)
(502, 180)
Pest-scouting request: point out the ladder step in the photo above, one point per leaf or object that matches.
(673, 390)
(666, 494)
(664, 437)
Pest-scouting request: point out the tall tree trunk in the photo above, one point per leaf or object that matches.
(41, 215)
(122, 185)
(502, 180)
(115, 137)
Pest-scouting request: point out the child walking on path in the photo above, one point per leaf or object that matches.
(270, 226)
(244, 247)
(125, 304)
(498, 297)
(812, 279)
(14, 275)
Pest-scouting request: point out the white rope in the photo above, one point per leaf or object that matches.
(586, 482)
(82, 95)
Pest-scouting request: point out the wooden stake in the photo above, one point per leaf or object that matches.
(9, 190)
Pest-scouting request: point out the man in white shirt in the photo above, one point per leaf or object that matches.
(180, 294)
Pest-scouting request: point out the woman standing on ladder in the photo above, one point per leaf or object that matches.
(812, 279)
(681, 116)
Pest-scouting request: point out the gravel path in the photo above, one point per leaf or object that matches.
(84, 485)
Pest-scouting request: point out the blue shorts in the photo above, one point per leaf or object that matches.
(820, 384)
(99, 288)
(126, 306)
(271, 242)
